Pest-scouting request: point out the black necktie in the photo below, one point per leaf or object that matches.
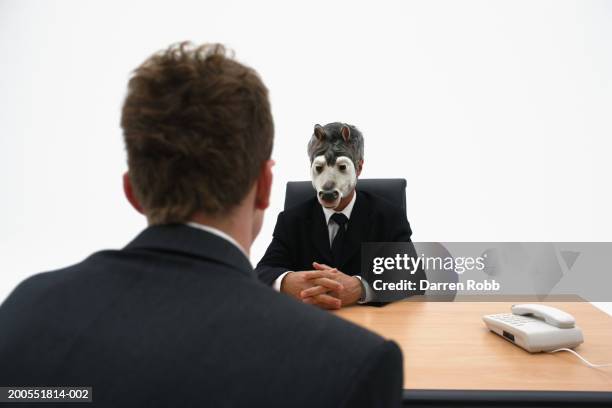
(338, 241)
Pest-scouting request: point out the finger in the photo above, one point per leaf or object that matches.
(330, 284)
(328, 273)
(320, 266)
(313, 291)
(326, 301)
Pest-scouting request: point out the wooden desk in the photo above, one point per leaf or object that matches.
(447, 346)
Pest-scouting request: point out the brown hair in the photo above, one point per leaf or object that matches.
(197, 128)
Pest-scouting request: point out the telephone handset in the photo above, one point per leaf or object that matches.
(536, 327)
(550, 315)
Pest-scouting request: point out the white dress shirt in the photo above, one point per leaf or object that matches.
(333, 228)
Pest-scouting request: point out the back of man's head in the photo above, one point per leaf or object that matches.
(198, 129)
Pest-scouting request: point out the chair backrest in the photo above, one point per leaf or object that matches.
(392, 190)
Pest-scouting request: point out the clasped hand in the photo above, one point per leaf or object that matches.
(324, 286)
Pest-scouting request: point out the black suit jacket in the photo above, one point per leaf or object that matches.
(178, 318)
(301, 237)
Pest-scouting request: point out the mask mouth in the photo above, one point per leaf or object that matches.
(329, 198)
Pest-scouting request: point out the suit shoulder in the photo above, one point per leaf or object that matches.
(38, 285)
(42, 280)
(33, 287)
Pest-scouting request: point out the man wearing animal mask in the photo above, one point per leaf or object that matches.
(315, 253)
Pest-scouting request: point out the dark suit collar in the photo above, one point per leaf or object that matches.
(183, 239)
(356, 233)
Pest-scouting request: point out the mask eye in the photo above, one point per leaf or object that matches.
(319, 169)
(342, 167)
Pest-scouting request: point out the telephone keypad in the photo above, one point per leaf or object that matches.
(512, 319)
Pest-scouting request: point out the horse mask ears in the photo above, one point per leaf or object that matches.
(346, 133)
(319, 132)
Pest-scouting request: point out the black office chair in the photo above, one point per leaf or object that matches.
(392, 190)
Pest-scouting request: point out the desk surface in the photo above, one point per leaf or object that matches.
(447, 346)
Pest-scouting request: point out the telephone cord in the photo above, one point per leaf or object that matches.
(584, 360)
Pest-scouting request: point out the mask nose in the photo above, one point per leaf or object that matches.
(328, 186)
(328, 195)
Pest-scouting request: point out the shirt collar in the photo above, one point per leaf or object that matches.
(218, 233)
(328, 212)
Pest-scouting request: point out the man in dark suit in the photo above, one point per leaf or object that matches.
(329, 228)
(178, 316)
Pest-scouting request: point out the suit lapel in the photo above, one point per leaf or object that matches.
(357, 230)
(320, 234)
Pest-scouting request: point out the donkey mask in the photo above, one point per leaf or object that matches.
(336, 158)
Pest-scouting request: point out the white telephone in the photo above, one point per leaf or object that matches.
(536, 327)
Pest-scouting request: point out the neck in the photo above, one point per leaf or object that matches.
(345, 201)
(233, 225)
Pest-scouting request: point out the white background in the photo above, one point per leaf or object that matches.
(498, 114)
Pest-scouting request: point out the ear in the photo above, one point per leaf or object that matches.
(359, 167)
(129, 193)
(319, 132)
(346, 133)
(264, 186)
